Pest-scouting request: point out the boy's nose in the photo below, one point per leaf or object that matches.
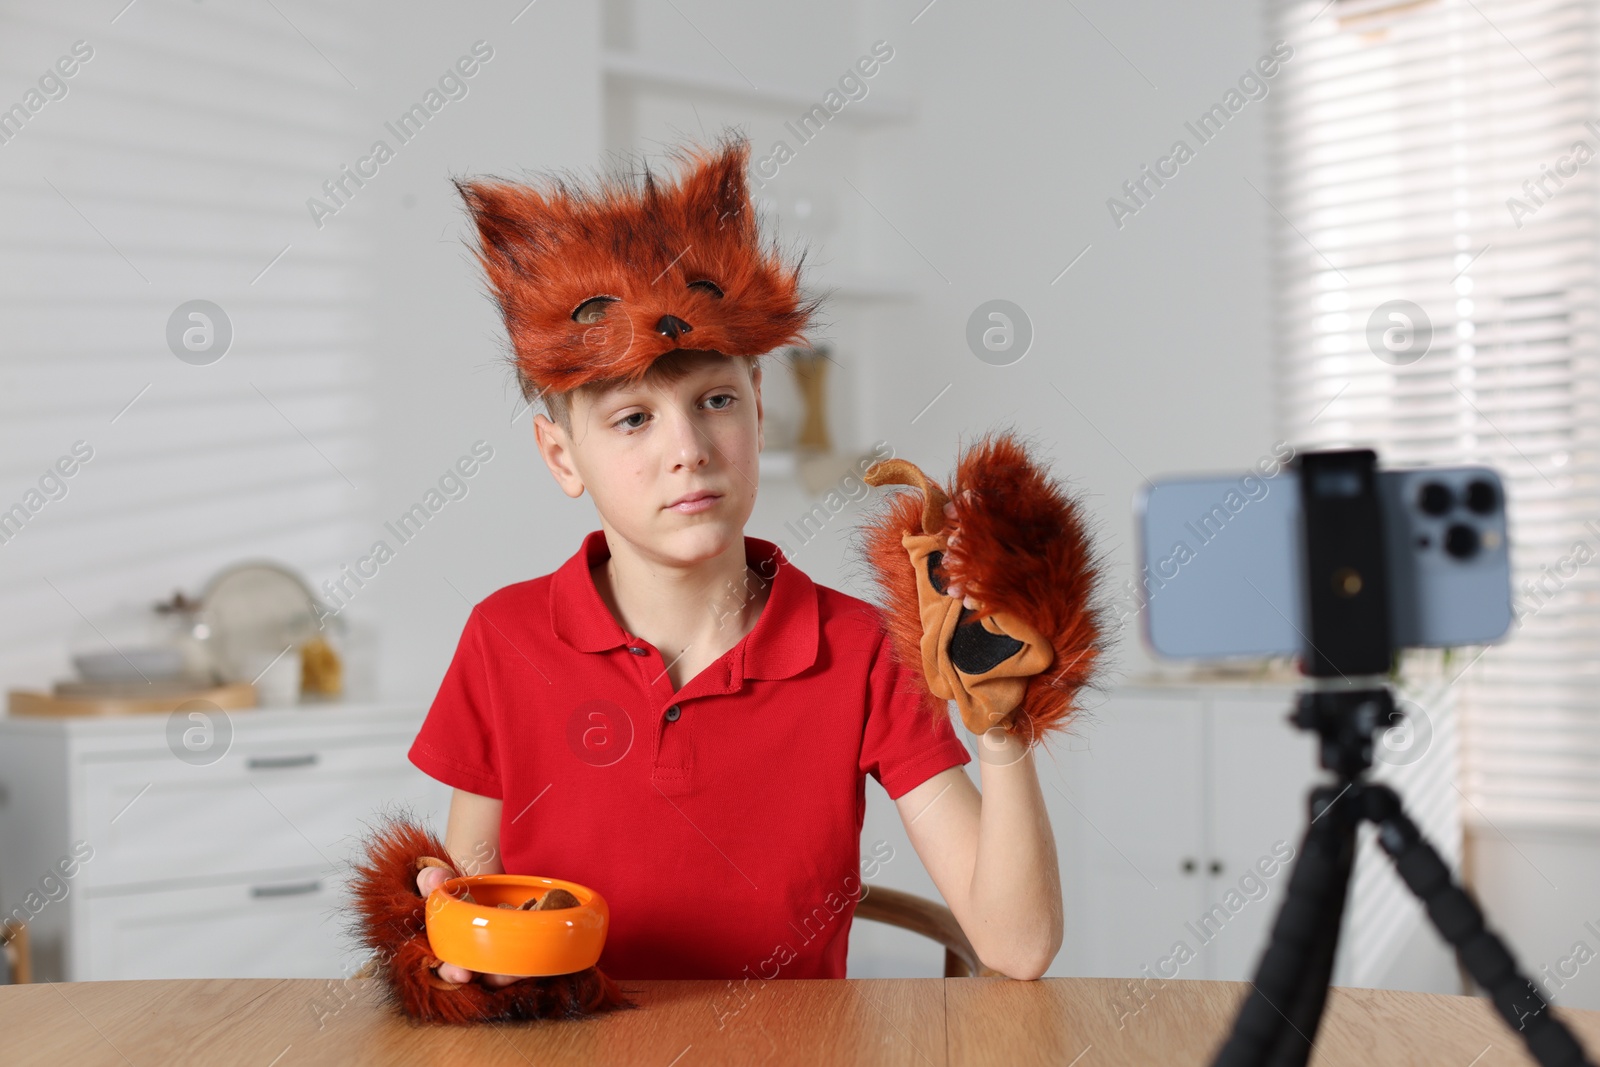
(672, 326)
(690, 449)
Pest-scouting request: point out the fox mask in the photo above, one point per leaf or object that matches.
(597, 283)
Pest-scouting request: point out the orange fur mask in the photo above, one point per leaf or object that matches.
(596, 284)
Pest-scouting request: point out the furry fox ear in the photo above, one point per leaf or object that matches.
(501, 216)
(1008, 536)
(718, 189)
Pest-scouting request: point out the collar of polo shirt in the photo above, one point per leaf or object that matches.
(782, 644)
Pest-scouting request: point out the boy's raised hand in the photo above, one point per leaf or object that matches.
(429, 879)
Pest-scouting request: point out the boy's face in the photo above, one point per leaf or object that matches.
(672, 466)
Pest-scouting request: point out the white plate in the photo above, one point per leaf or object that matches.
(254, 607)
(130, 665)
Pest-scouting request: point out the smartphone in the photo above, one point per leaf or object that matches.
(1219, 573)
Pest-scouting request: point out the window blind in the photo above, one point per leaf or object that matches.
(1443, 153)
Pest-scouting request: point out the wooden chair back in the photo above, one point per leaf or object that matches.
(922, 916)
(19, 959)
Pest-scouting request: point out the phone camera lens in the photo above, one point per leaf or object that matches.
(1461, 541)
(1436, 498)
(1481, 496)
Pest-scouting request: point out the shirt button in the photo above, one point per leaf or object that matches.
(673, 713)
(637, 651)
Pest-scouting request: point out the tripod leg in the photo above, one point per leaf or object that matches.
(1293, 1048)
(1306, 926)
(1461, 922)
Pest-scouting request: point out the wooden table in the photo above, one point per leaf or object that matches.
(920, 1022)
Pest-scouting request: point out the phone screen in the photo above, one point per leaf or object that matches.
(1220, 556)
(1219, 571)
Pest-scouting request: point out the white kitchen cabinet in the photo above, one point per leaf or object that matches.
(1262, 770)
(1130, 795)
(233, 867)
(283, 926)
(1171, 796)
(1165, 803)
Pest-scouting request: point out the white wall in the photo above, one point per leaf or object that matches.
(438, 339)
(1158, 336)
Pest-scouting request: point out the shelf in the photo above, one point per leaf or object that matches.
(629, 69)
(815, 473)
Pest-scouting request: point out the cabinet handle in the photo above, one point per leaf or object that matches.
(1188, 865)
(1216, 866)
(298, 889)
(272, 763)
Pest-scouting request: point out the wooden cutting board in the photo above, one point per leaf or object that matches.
(231, 697)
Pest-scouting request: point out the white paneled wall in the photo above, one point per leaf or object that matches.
(365, 359)
(175, 168)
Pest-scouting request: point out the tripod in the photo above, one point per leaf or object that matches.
(1345, 574)
(1278, 1022)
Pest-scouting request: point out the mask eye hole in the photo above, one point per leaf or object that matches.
(592, 309)
(706, 285)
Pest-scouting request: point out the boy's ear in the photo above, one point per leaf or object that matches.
(556, 449)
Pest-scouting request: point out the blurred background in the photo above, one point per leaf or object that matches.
(241, 345)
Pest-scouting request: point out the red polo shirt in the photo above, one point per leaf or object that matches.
(722, 821)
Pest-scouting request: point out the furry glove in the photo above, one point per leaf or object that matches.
(1006, 537)
(390, 914)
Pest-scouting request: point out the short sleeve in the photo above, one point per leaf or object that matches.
(909, 737)
(457, 743)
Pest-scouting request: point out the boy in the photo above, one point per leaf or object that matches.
(678, 717)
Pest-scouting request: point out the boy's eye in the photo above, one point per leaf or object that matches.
(592, 309)
(633, 421)
(706, 285)
(720, 402)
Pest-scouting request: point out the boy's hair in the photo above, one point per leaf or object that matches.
(666, 370)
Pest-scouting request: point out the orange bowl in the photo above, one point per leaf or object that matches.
(490, 939)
